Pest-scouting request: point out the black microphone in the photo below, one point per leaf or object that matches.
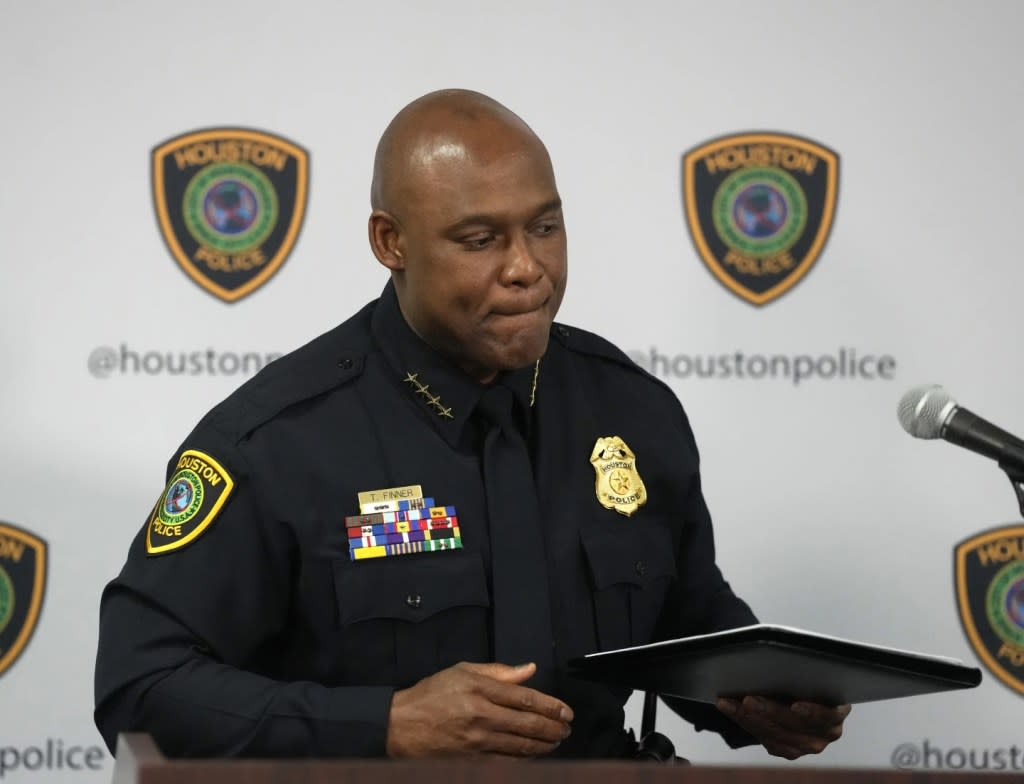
(930, 412)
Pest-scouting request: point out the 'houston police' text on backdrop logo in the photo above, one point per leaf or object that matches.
(22, 585)
(989, 576)
(230, 203)
(759, 207)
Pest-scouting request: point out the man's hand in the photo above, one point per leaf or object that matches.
(788, 731)
(476, 709)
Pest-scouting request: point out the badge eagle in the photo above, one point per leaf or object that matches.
(618, 485)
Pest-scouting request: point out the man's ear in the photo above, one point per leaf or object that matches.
(386, 240)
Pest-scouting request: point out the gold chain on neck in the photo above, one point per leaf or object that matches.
(533, 389)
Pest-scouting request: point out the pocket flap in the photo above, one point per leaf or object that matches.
(635, 554)
(409, 588)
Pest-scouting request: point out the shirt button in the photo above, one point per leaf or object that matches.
(640, 568)
(414, 600)
(345, 364)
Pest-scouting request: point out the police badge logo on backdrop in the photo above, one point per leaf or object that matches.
(22, 585)
(759, 207)
(230, 203)
(989, 578)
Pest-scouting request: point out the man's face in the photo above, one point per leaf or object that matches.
(484, 251)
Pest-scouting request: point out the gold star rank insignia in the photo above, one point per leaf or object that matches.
(423, 390)
(618, 485)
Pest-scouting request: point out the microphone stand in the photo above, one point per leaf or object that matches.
(1016, 477)
(649, 716)
(653, 746)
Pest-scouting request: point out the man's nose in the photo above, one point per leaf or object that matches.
(521, 265)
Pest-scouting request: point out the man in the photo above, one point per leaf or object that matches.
(295, 594)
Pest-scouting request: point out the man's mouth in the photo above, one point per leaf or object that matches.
(521, 311)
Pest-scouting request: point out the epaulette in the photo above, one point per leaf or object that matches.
(325, 363)
(583, 342)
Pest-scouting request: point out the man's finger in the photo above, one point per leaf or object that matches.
(501, 672)
(786, 752)
(525, 724)
(782, 742)
(523, 698)
(759, 718)
(804, 718)
(513, 745)
(823, 716)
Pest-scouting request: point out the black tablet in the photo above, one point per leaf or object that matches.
(779, 662)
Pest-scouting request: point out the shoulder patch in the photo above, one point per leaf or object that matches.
(193, 498)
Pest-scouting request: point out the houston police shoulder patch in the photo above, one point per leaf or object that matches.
(194, 496)
(760, 207)
(988, 573)
(22, 585)
(230, 203)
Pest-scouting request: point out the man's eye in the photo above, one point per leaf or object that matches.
(544, 229)
(478, 242)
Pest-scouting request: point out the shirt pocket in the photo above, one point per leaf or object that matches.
(631, 568)
(406, 617)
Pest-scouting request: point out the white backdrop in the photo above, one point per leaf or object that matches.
(827, 515)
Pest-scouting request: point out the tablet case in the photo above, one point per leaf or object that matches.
(779, 662)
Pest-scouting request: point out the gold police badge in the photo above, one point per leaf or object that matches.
(618, 485)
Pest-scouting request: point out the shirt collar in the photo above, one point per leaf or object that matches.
(446, 394)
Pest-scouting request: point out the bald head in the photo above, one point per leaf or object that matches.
(437, 129)
(467, 218)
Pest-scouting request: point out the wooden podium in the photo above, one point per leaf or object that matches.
(139, 761)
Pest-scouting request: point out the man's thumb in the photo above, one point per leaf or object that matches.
(504, 672)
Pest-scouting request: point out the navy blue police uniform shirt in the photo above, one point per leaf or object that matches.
(240, 626)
